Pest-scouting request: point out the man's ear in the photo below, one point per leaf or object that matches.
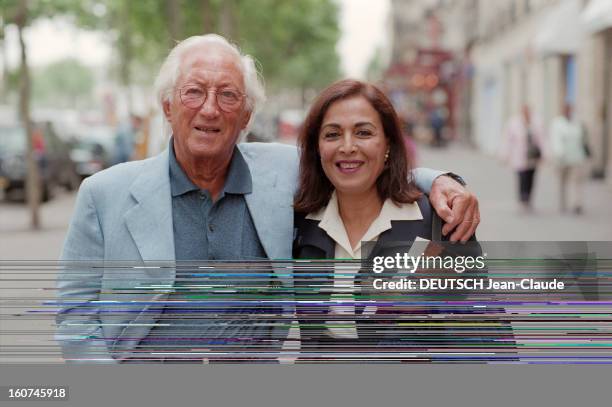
(166, 107)
(247, 118)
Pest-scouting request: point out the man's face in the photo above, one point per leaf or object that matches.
(207, 132)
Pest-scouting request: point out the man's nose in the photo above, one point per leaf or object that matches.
(210, 107)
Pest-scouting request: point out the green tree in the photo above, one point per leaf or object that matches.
(4, 72)
(139, 31)
(22, 13)
(66, 82)
(17, 13)
(294, 41)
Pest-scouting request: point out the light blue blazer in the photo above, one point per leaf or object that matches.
(124, 214)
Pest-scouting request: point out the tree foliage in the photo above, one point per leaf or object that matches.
(294, 41)
(65, 82)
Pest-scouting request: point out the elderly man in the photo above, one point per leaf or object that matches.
(204, 198)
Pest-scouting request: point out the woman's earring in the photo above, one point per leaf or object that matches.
(386, 155)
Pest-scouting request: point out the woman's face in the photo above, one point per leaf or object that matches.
(352, 145)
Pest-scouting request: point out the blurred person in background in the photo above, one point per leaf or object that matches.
(125, 139)
(408, 123)
(411, 148)
(437, 121)
(522, 148)
(570, 151)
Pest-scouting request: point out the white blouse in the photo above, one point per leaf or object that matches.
(344, 273)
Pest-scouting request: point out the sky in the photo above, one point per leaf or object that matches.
(51, 40)
(362, 24)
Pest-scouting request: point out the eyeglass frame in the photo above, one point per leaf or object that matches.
(215, 90)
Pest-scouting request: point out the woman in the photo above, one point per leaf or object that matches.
(354, 186)
(523, 149)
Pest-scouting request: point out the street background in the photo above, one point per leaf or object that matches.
(76, 97)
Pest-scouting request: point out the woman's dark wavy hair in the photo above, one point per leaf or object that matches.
(395, 182)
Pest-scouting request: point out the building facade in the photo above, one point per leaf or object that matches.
(542, 53)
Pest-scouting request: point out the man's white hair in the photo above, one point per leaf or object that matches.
(171, 70)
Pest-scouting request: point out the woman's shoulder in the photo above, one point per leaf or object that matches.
(408, 222)
(303, 222)
(424, 207)
(310, 241)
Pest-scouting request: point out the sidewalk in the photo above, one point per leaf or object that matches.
(19, 242)
(28, 337)
(495, 186)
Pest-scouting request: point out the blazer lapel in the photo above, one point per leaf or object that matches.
(149, 222)
(312, 235)
(272, 214)
(150, 219)
(270, 209)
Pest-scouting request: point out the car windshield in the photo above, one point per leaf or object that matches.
(12, 140)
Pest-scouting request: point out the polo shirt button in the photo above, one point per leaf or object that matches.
(211, 228)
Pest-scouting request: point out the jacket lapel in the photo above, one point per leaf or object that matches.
(311, 235)
(270, 209)
(270, 206)
(149, 222)
(150, 219)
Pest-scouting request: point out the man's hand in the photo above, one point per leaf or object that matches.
(457, 206)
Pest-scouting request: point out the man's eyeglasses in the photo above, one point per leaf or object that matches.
(228, 99)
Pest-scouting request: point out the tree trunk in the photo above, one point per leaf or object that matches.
(175, 21)
(125, 52)
(207, 17)
(33, 177)
(303, 90)
(228, 27)
(3, 73)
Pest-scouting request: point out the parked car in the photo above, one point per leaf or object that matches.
(52, 155)
(93, 150)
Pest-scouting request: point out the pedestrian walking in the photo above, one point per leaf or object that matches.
(570, 151)
(522, 149)
(437, 122)
(125, 139)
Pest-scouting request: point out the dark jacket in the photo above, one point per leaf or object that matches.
(312, 242)
(314, 282)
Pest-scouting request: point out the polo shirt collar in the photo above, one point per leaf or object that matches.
(238, 179)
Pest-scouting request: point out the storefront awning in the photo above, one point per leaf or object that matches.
(597, 16)
(561, 31)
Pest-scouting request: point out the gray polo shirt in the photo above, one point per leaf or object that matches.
(207, 230)
(205, 315)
